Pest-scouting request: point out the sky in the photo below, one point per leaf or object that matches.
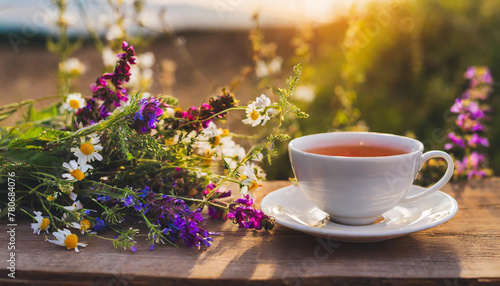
(180, 14)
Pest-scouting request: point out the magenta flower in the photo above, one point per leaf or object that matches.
(457, 140)
(470, 120)
(242, 213)
(477, 140)
(458, 106)
(105, 98)
(475, 111)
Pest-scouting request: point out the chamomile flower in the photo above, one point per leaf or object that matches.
(42, 223)
(66, 239)
(259, 111)
(251, 173)
(82, 226)
(73, 66)
(74, 101)
(76, 171)
(87, 151)
(254, 117)
(262, 101)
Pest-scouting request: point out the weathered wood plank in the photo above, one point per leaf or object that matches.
(467, 248)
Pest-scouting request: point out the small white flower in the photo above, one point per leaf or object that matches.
(115, 32)
(66, 239)
(75, 206)
(40, 224)
(82, 226)
(109, 58)
(262, 101)
(264, 69)
(76, 172)
(261, 69)
(186, 137)
(210, 131)
(259, 112)
(72, 66)
(145, 60)
(74, 101)
(69, 17)
(254, 117)
(275, 65)
(304, 93)
(170, 112)
(88, 150)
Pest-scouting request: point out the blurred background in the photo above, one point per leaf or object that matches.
(386, 66)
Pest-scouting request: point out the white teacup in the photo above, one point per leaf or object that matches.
(357, 190)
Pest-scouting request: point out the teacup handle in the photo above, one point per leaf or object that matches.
(441, 182)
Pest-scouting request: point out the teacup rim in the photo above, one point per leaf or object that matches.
(418, 143)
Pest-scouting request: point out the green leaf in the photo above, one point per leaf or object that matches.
(44, 114)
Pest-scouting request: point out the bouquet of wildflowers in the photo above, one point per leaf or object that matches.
(468, 136)
(113, 160)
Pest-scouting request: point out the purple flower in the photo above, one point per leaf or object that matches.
(465, 122)
(146, 118)
(475, 159)
(99, 225)
(133, 248)
(477, 140)
(459, 141)
(470, 73)
(129, 201)
(108, 97)
(242, 213)
(474, 110)
(103, 198)
(180, 222)
(458, 106)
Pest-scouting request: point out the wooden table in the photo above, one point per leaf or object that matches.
(463, 251)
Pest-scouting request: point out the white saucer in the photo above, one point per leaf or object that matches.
(292, 209)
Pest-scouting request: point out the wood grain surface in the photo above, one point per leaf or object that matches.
(463, 251)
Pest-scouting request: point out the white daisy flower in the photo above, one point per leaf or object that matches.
(82, 226)
(76, 172)
(254, 117)
(258, 112)
(74, 101)
(41, 223)
(73, 66)
(66, 239)
(262, 101)
(88, 150)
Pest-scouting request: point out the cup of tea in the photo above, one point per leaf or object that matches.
(355, 177)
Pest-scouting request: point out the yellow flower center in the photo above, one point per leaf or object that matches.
(71, 241)
(216, 141)
(225, 132)
(45, 223)
(87, 148)
(254, 115)
(50, 198)
(77, 174)
(75, 104)
(85, 224)
(254, 185)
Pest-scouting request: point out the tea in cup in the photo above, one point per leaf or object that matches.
(355, 177)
